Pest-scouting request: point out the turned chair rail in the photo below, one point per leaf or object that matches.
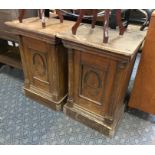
(105, 22)
(41, 14)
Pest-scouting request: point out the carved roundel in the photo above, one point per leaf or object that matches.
(92, 79)
(39, 64)
(92, 87)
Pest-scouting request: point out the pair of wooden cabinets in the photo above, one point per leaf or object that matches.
(81, 71)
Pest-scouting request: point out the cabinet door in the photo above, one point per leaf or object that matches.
(38, 59)
(93, 76)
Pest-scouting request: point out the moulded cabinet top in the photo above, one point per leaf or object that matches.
(33, 26)
(126, 44)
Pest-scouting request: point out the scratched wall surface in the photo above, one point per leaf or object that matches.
(24, 121)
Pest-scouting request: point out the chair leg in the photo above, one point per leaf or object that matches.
(127, 17)
(43, 18)
(106, 25)
(21, 15)
(60, 15)
(119, 22)
(76, 25)
(94, 18)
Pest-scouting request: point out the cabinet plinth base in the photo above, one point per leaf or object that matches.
(91, 120)
(55, 105)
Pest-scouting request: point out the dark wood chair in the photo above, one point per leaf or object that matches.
(41, 13)
(105, 22)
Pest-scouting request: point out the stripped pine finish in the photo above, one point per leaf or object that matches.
(44, 60)
(105, 22)
(99, 74)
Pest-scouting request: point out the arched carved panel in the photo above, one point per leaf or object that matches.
(39, 65)
(92, 81)
(92, 84)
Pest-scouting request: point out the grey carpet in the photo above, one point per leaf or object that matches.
(24, 121)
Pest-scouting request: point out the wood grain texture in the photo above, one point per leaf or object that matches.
(9, 15)
(46, 75)
(44, 60)
(31, 27)
(98, 74)
(143, 93)
(98, 78)
(124, 45)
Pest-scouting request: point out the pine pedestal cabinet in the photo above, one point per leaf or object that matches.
(99, 75)
(44, 60)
